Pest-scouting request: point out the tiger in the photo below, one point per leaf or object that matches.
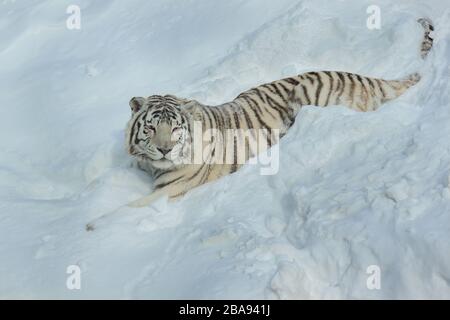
(160, 130)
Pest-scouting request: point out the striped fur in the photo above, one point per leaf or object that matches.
(270, 106)
(427, 42)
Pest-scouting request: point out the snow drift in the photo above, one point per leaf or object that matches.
(353, 190)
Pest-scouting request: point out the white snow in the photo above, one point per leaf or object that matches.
(353, 189)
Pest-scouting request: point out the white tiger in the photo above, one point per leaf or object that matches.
(160, 132)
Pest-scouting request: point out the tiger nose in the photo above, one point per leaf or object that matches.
(164, 151)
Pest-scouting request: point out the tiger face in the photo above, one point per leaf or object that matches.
(158, 130)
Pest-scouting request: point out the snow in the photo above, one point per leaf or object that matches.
(353, 190)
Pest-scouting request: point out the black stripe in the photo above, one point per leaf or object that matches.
(216, 120)
(371, 84)
(373, 94)
(311, 79)
(234, 164)
(275, 91)
(358, 77)
(331, 87)
(291, 81)
(206, 174)
(230, 115)
(278, 105)
(258, 107)
(247, 118)
(278, 92)
(367, 88)
(339, 84)
(363, 87)
(227, 112)
(255, 108)
(160, 173)
(197, 172)
(265, 102)
(342, 79)
(250, 126)
(133, 127)
(221, 118)
(236, 120)
(258, 92)
(284, 115)
(182, 193)
(352, 87)
(217, 117)
(261, 122)
(224, 118)
(209, 117)
(165, 184)
(286, 90)
(380, 84)
(237, 123)
(319, 87)
(308, 99)
(269, 87)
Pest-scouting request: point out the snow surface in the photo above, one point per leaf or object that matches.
(353, 189)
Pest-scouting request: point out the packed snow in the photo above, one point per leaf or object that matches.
(357, 195)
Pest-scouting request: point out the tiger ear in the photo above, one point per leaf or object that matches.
(136, 104)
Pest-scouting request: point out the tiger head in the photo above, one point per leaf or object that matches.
(158, 130)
